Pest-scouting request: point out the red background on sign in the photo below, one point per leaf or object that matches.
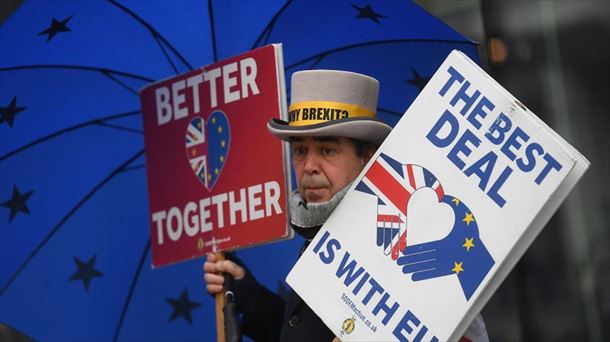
(254, 157)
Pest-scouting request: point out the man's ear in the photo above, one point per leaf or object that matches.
(368, 155)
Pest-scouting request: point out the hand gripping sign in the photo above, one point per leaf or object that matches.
(461, 252)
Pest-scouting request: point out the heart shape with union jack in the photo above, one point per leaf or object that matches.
(460, 252)
(207, 146)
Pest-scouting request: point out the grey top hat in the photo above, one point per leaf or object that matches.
(332, 103)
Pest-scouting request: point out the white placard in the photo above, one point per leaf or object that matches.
(440, 215)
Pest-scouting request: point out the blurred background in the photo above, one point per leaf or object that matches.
(555, 57)
(552, 55)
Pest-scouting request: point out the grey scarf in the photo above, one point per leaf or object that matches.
(312, 215)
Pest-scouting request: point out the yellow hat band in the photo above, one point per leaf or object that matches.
(315, 112)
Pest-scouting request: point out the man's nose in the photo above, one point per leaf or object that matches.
(312, 163)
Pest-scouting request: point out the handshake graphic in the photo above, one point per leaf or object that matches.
(405, 193)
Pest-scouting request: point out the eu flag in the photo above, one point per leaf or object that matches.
(461, 252)
(471, 260)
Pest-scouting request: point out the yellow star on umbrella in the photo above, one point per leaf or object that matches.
(457, 268)
(216, 171)
(219, 129)
(222, 158)
(222, 143)
(456, 201)
(213, 120)
(468, 218)
(468, 244)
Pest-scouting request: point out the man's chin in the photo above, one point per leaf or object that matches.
(317, 195)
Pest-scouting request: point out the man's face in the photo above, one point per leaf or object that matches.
(324, 165)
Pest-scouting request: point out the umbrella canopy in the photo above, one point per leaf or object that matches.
(74, 237)
(394, 41)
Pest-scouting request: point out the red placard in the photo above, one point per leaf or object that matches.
(217, 180)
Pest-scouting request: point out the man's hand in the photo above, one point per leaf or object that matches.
(212, 273)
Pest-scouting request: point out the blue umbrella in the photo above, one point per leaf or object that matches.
(396, 42)
(74, 237)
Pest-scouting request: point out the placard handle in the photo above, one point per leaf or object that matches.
(220, 303)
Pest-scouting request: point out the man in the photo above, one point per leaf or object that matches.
(333, 133)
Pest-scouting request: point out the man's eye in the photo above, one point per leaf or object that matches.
(327, 151)
(298, 151)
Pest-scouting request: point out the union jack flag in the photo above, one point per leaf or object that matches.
(197, 148)
(393, 183)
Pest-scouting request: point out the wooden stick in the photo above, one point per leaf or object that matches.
(220, 303)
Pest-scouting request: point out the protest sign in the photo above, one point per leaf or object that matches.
(440, 215)
(217, 180)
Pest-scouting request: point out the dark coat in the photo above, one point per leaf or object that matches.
(267, 317)
(272, 319)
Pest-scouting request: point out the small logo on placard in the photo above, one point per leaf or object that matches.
(348, 325)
